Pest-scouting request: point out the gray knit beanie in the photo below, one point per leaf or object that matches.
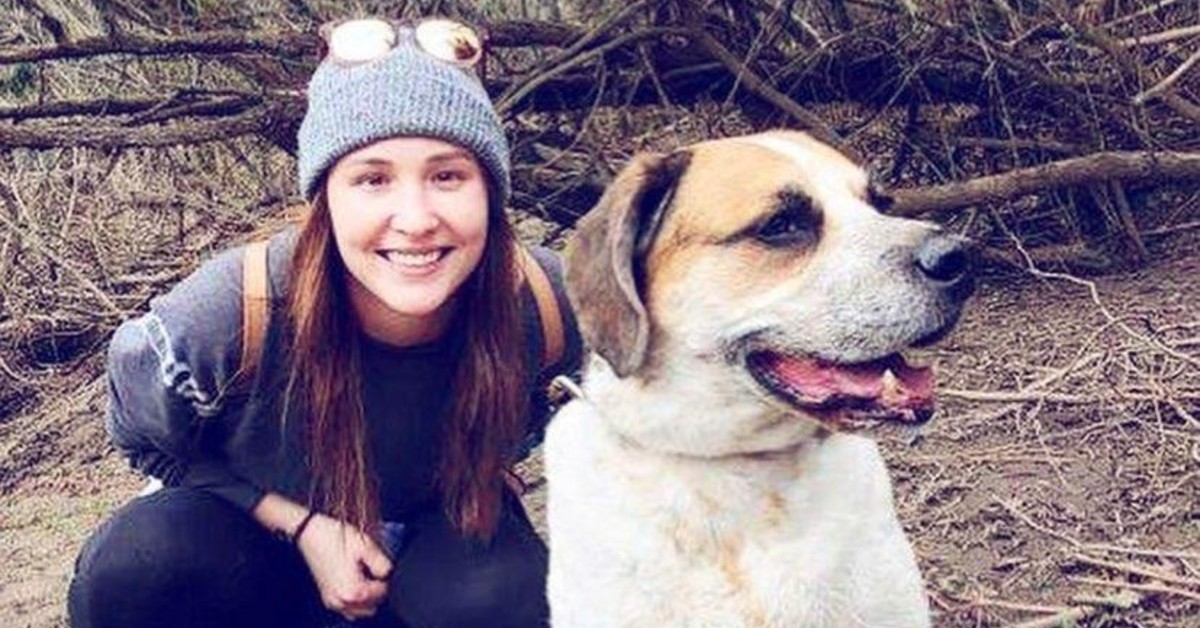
(407, 92)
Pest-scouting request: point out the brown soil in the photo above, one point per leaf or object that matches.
(1014, 507)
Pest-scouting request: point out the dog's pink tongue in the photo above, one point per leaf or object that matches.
(907, 387)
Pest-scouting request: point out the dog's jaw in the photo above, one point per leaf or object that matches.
(695, 407)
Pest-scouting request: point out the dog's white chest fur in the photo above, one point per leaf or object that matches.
(806, 538)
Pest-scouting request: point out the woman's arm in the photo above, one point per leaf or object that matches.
(167, 370)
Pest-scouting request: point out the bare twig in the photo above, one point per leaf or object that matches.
(756, 85)
(1014, 511)
(53, 25)
(1137, 570)
(36, 242)
(1091, 606)
(1161, 37)
(507, 102)
(1017, 606)
(1130, 67)
(811, 121)
(1153, 8)
(1065, 617)
(1001, 396)
(1166, 83)
(1136, 586)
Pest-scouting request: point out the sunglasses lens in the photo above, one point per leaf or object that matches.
(450, 41)
(357, 41)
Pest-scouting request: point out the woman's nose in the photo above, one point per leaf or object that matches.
(413, 215)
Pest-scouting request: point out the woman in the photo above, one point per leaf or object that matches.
(397, 381)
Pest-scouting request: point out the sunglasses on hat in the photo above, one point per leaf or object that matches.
(360, 41)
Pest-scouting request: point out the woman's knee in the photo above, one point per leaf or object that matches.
(496, 596)
(163, 552)
(443, 579)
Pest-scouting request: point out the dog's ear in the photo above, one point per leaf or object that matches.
(604, 259)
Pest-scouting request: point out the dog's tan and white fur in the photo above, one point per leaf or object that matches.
(681, 493)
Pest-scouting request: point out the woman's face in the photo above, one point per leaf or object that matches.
(410, 217)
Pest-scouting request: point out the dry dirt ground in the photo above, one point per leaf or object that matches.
(1061, 475)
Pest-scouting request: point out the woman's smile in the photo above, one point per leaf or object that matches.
(424, 260)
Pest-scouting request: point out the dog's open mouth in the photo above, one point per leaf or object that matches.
(848, 396)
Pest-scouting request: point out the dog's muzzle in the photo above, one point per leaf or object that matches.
(881, 388)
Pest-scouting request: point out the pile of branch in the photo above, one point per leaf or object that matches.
(1098, 98)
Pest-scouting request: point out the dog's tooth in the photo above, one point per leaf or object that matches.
(889, 381)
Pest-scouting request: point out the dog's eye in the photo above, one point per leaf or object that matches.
(787, 228)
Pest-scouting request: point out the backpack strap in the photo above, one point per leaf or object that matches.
(256, 308)
(553, 338)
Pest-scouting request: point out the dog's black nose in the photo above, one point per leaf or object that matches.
(945, 258)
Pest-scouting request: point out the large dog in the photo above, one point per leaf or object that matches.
(745, 301)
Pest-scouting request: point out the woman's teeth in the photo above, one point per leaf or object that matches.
(413, 259)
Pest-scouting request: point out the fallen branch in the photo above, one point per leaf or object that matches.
(1017, 606)
(222, 105)
(211, 43)
(265, 119)
(1109, 166)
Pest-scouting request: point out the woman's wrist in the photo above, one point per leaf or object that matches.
(294, 537)
(284, 518)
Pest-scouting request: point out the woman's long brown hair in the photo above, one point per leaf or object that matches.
(487, 412)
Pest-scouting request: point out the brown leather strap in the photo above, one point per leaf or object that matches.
(553, 339)
(256, 308)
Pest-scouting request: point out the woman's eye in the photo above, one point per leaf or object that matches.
(449, 177)
(786, 228)
(371, 180)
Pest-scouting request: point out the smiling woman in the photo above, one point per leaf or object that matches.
(361, 473)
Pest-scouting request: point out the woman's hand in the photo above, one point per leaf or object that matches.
(350, 570)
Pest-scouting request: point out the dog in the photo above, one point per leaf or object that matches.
(745, 302)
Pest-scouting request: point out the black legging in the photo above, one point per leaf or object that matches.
(183, 557)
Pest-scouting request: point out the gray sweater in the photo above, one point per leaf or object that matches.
(174, 414)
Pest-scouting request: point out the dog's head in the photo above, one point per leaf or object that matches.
(755, 281)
